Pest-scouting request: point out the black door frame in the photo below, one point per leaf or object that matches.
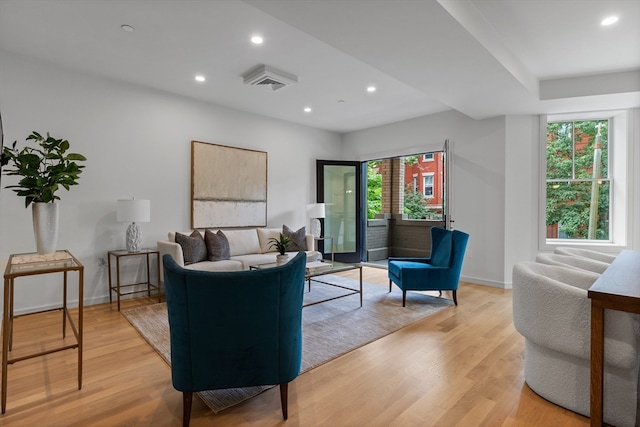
(361, 215)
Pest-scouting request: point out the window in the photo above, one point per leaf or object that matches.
(617, 165)
(577, 180)
(427, 157)
(427, 185)
(415, 182)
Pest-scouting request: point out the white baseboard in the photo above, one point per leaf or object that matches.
(484, 282)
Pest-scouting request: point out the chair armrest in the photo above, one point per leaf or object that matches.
(173, 249)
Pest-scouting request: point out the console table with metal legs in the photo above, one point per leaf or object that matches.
(21, 265)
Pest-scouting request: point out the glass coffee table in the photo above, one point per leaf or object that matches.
(317, 269)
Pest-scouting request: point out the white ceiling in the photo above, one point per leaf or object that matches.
(483, 58)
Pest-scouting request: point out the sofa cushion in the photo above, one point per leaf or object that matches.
(242, 242)
(255, 259)
(193, 247)
(298, 239)
(264, 234)
(225, 265)
(217, 245)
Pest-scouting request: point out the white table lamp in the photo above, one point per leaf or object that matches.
(315, 211)
(133, 211)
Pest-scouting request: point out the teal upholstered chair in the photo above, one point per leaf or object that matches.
(439, 272)
(234, 329)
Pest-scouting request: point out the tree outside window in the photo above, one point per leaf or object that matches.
(374, 189)
(577, 180)
(423, 193)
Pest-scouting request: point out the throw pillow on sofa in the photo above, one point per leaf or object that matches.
(193, 246)
(298, 239)
(217, 245)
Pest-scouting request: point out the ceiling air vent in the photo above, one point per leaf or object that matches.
(263, 75)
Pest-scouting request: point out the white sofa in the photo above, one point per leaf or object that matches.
(247, 247)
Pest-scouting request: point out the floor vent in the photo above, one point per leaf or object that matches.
(264, 75)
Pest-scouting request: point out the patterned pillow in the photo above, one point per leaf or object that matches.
(217, 245)
(193, 247)
(298, 239)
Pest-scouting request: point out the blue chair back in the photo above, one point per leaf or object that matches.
(234, 329)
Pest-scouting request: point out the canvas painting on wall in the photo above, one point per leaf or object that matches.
(228, 186)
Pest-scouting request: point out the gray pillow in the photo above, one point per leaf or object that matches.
(298, 239)
(193, 247)
(217, 245)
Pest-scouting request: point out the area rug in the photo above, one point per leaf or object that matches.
(330, 329)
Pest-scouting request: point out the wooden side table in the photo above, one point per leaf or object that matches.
(618, 288)
(117, 288)
(20, 265)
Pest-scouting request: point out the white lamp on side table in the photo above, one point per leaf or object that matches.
(133, 211)
(315, 211)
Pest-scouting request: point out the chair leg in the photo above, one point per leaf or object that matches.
(404, 297)
(390, 285)
(187, 398)
(455, 297)
(284, 399)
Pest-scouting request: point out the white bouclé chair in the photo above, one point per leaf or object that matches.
(586, 253)
(574, 262)
(553, 313)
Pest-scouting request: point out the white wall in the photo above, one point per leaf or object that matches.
(478, 178)
(138, 143)
(522, 135)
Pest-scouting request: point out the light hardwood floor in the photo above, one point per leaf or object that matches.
(460, 367)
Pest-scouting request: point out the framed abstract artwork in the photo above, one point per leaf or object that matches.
(228, 186)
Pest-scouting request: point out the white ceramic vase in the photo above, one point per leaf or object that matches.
(282, 259)
(45, 227)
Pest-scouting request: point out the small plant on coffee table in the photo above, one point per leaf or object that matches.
(280, 244)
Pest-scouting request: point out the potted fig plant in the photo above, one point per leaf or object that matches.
(43, 169)
(280, 244)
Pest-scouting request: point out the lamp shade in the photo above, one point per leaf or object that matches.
(134, 210)
(315, 210)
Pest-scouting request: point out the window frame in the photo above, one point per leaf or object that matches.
(432, 185)
(620, 148)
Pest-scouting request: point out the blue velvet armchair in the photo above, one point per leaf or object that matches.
(439, 272)
(234, 329)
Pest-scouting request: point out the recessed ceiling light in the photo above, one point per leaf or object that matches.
(307, 109)
(127, 28)
(341, 101)
(609, 20)
(200, 78)
(371, 89)
(256, 40)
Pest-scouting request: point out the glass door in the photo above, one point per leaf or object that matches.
(339, 187)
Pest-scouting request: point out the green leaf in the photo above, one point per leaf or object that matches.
(76, 156)
(43, 168)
